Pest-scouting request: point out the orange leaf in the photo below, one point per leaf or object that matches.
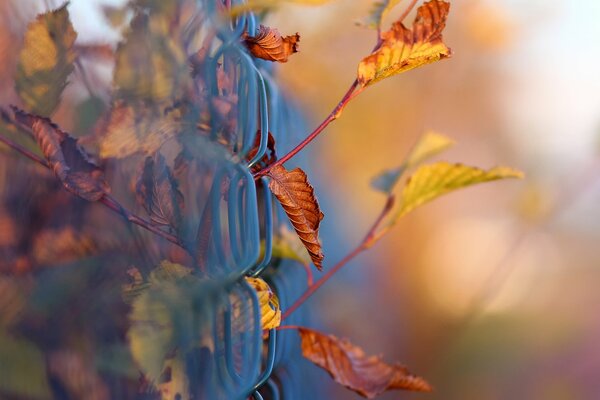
(368, 376)
(403, 49)
(298, 199)
(76, 170)
(269, 45)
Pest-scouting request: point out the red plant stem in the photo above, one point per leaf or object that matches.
(369, 240)
(408, 10)
(337, 111)
(107, 199)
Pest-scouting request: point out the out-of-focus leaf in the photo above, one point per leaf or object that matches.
(46, 61)
(22, 369)
(287, 245)
(56, 246)
(403, 49)
(150, 63)
(76, 170)
(135, 287)
(12, 301)
(298, 199)
(168, 272)
(429, 145)
(269, 45)
(77, 375)
(158, 192)
(270, 314)
(434, 180)
(348, 364)
(130, 129)
(378, 12)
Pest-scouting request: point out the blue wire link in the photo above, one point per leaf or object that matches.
(268, 231)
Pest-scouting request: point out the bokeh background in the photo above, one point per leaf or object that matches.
(490, 293)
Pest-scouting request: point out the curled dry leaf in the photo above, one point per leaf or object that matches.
(298, 199)
(158, 192)
(269, 45)
(268, 158)
(403, 49)
(270, 313)
(76, 170)
(368, 376)
(46, 61)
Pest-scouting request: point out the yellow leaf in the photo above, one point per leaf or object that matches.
(177, 385)
(429, 145)
(434, 180)
(46, 61)
(129, 129)
(403, 49)
(270, 314)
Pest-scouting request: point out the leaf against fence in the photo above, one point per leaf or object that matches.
(434, 180)
(268, 158)
(158, 192)
(270, 313)
(429, 145)
(269, 45)
(403, 49)
(298, 199)
(46, 61)
(76, 170)
(287, 245)
(348, 364)
(378, 11)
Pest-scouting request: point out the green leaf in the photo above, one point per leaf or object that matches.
(22, 369)
(46, 61)
(429, 145)
(432, 181)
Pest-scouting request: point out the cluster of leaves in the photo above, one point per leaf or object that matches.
(164, 127)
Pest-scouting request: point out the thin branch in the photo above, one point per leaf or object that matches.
(408, 10)
(335, 114)
(107, 199)
(368, 241)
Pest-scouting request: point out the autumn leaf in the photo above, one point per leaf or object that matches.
(366, 375)
(434, 180)
(270, 314)
(298, 199)
(403, 49)
(378, 11)
(76, 170)
(157, 191)
(287, 245)
(429, 145)
(46, 61)
(136, 128)
(269, 45)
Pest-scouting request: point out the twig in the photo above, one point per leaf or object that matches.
(335, 114)
(107, 199)
(408, 10)
(368, 241)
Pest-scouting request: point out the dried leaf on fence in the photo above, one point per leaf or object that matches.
(72, 165)
(158, 192)
(403, 49)
(434, 180)
(270, 314)
(269, 45)
(378, 11)
(136, 128)
(298, 199)
(46, 61)
(429, 145)
(348, 364)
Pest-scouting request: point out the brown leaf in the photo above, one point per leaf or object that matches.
(368, 376)
(76, 170)
(269, 45)
(403, 49)
(157, 191)
(268, 158)
(298, 199)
